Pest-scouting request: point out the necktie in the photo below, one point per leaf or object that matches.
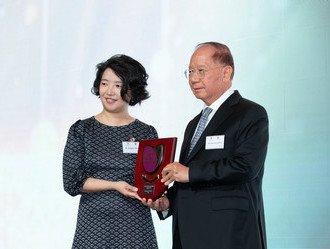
(200, 128)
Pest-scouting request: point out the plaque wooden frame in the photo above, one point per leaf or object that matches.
(153, 155)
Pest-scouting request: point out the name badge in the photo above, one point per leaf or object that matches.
(130, 147)
(215, 142)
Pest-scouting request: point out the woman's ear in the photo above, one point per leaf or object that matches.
(128, 97)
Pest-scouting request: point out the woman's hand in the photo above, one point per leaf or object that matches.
(127, 190)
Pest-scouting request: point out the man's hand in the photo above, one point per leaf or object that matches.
(159, 205)
(175, 172)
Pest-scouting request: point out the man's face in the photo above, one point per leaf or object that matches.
(208, 80)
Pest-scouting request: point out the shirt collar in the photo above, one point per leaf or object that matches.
(216, 104)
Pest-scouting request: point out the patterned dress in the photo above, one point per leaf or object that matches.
(106, 219)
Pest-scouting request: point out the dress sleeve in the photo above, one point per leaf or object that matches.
(152, 133)
(74, 173)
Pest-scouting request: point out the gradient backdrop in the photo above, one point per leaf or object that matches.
(48, 53)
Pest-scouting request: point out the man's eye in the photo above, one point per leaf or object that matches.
(201, 70)
(191, 71)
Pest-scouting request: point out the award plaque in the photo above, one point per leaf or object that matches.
(153, 155)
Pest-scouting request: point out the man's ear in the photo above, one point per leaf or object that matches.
(227, 72)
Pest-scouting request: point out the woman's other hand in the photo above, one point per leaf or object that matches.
(127, 190)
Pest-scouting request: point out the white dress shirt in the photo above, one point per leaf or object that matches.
(216, 104)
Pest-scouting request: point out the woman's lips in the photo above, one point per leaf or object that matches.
(110, 101)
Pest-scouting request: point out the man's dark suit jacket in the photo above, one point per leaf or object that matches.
(222, 205)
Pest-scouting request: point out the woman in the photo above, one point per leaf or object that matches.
(98, 166)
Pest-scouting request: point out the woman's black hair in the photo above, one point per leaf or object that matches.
(131, 72)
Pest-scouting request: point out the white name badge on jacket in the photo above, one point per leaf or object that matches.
(130, 147)
(215, 142)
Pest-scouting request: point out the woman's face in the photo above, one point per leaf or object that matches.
(110, 87)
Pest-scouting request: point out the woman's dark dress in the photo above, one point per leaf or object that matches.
(106, 219)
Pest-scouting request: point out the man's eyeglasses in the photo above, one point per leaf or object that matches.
(189, 73)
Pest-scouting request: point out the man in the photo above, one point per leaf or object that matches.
(216, 199)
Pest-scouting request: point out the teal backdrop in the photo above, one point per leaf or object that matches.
(48, 53)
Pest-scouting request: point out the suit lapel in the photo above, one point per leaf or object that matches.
(223, 112)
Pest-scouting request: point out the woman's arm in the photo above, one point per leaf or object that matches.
(97, 185)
